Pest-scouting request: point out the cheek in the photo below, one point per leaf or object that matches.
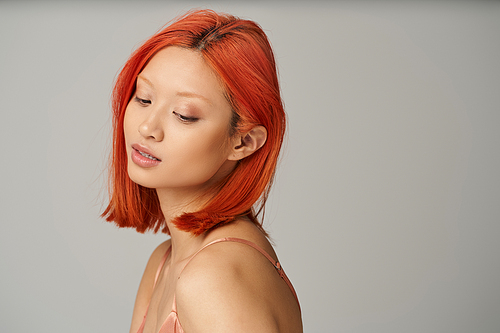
(126, 123)
(206, 155)
(130, 132)
(130, 126)
(214, 146)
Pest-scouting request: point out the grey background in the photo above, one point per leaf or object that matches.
(386, 210)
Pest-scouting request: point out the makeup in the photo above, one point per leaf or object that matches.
(143, 157)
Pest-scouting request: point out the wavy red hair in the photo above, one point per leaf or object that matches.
(240, 54)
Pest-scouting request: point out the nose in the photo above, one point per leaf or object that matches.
(151, 128)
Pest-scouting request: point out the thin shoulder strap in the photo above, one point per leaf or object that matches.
(275, 263)
(162, 263)
(160, 266)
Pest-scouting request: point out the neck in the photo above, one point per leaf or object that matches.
(174, 204)
(183, 243)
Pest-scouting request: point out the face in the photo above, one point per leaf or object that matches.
(176, 125)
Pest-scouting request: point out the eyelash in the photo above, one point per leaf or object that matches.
(184, 118)
(142, 102)
(146, 102)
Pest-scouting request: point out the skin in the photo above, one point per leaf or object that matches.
(180, 115)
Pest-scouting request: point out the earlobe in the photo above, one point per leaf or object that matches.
(248, 143)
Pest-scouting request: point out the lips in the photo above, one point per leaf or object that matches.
(147, 155)
(143, 157)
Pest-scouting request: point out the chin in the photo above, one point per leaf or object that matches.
(141, 183)
(143, 180)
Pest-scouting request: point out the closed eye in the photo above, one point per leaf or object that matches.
(184, 118)
(142, 102)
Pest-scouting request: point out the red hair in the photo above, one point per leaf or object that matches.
(240, 54)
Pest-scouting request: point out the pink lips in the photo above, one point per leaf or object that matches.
(143, 157)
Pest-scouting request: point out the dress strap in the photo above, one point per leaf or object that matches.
(275, 263)
(162, 263)
(160, 266)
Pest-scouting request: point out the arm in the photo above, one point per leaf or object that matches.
(146, 286)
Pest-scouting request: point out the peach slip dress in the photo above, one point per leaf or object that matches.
(172, 324)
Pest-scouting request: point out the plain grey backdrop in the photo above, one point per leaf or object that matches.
(385, 213)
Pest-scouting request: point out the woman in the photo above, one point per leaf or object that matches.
(198, 126)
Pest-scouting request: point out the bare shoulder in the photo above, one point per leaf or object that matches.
(146, 286)
(232, 287)
(153, 263)
(157, 255)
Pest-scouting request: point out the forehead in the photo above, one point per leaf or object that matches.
(183, 72)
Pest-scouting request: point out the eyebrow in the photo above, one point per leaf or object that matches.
(187, 94)
(145, 80)
(193, 95)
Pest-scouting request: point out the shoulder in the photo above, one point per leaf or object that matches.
(157, 256)
(146, 286)
(152, 266)
(232, 287)
(153, 263)
(224, 288)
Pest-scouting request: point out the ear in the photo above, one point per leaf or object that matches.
(245, 144)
